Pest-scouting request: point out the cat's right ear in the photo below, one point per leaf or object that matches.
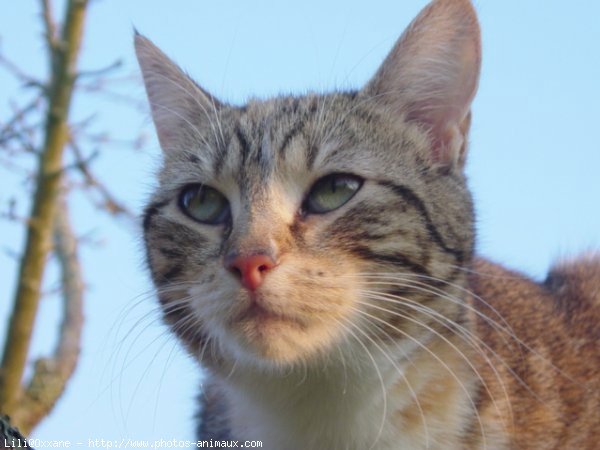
(431, 75)
(180, 108)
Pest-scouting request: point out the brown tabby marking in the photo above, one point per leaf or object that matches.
(556, 400)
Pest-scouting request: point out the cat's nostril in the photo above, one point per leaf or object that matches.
(251, 270)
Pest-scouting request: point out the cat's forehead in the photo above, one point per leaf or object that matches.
(286, 133)
(290, 137)
(277, 123)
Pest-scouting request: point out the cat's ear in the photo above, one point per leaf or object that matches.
(180, 108)
(431, 75)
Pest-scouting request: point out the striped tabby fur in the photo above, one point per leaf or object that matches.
(377, 327)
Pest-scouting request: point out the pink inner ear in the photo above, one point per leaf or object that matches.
(447, 118)
(449, 144)
(448, 113)
(431, 75)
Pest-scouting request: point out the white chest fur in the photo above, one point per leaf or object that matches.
(349, 406)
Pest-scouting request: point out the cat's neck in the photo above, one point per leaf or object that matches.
(413, 400)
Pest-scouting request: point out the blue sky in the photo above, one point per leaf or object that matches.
(533, 163)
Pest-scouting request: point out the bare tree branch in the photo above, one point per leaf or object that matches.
(51, 374)
(109, 201)
(103, 71)
(22, 76)
(39, 126)
(41, 222)
(51, 33)
(8, 130)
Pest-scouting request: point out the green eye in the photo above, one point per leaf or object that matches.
(204, 204)
(331, 192)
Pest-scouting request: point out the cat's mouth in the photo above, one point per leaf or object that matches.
(259, 314)
(270, 334)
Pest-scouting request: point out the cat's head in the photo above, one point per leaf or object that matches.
(284, 228)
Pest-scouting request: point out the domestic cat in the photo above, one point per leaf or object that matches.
(316, 254)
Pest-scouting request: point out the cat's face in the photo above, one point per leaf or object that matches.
(286, 228)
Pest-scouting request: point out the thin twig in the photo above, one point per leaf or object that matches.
(21, 75)
(7, 132)
(51, 33)
(99, 72)
(109, 202)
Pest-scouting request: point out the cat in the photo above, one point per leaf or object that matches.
(316, 255)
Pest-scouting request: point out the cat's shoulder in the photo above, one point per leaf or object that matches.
(570, 292)
(545, 335)
(577, 278)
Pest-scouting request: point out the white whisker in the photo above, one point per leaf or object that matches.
(377, 371)
(436, 357)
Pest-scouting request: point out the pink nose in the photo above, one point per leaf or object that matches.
(251, 270)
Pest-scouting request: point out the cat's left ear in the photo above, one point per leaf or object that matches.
(181, 109)
(430, 77)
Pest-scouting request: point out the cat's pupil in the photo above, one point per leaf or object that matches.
(334, 183)
(204, 204)
(332, 192)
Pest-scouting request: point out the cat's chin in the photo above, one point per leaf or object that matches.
(279, 340)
